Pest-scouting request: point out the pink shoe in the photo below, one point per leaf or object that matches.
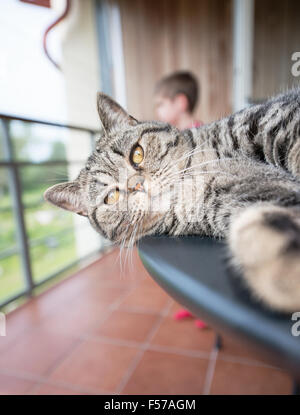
(182, 313)
(200, 324)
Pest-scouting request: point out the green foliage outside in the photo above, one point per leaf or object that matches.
(52, 239)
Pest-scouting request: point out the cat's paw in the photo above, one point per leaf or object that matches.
(265, 244)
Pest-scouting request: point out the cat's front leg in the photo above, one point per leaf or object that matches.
(265, 244)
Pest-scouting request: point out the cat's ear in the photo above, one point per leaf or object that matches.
(67, 196)
(113, 117)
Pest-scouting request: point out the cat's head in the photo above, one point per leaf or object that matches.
(127, 186)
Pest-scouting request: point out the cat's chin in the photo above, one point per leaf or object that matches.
(151, 229)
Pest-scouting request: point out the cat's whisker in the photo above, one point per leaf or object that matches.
(123, 251)
(200, 165)
(167, 175)
(128, 249)
(120, 254)
(141, 223)
(174, 180)
(190, 172)
(191, 153)
(131, 239)
(62, 178)
(122, 247)
(133, 243)
(189, 175)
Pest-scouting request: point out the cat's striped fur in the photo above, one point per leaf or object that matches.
(237, 178)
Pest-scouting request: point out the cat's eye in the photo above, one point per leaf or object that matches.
(137, 155)
(112, 197)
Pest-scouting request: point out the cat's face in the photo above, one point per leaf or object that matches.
(128, 185)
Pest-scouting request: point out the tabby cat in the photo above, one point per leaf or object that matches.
(237, 178)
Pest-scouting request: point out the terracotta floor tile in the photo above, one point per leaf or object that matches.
(61, 294)
(19, 321)
(58, 297)
(76, 320)
(13, 332)
(184, 334)
(111, 269)
(70, 288)
(147, 297)
(233, 347)
(45, 308)
(36, 351)
(45, 389)
(127, 326)
(84, 312)
(110, 280)
(103, 294)
(5, 342)
(10, 385)
(95, 365)
(234, 378)
(164, 373)
(127, 268)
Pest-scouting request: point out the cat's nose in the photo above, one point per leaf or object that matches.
(136, 183)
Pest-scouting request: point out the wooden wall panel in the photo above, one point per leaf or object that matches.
(277, 36)
(161, 36)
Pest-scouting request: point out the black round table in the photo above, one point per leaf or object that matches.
(195, 271)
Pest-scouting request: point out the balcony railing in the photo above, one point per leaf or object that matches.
(26, 170)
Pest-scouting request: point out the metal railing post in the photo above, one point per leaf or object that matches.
(18, 209)
(93, 141)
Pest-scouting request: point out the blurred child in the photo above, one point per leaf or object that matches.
(176, 98)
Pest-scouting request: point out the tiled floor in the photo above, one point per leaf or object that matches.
(110, 331)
